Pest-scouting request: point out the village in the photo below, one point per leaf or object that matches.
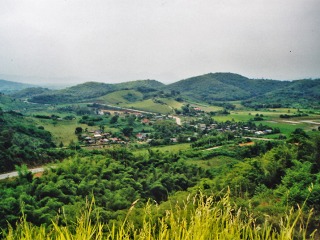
(182, 124)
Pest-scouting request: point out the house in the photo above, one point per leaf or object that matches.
(145, 121)
(97, 136)
(202, 126)
(174, 140)
(141, 136)
(267, 131)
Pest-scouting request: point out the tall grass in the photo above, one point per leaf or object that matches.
(198, 218)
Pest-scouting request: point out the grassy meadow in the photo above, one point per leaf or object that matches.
(198, 217)
(170, 148)
(272, 119)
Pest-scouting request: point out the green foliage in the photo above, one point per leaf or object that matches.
(116, 179)
(200, 217)
(21, 141)
(12, 87)
(89, 90)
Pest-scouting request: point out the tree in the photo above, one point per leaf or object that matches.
(127, 131)
(131, 120)
(24, 173)
(78, 130)
(114, 119)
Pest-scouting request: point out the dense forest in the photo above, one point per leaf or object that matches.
(21, 142)
(266, 177)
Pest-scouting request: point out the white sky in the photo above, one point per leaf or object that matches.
(55, 41)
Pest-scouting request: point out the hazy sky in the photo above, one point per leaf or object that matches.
(168, 40)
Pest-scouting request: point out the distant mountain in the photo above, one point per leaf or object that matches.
(298, 93)
(12, 87)
(224, 87)
(30, 92)
(209, 88)
(141, 84)
(93, 90)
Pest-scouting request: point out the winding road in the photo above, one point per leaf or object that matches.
(15, 173)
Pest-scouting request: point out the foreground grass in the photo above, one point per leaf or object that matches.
(197, 218)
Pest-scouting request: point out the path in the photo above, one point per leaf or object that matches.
(212, 148)
(263, 139)
(15, 173)
(178, 120)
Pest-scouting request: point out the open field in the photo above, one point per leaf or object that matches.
(172, 103)
(170, 148)
(272, 119)
(150, 106)
(215, 162)
(62, 131)
(121, 97)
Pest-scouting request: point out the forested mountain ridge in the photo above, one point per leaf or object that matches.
(21, 141)
(11, 87)
(30, 92)
(299, 93)
(92, 90)
(225, 86)
(207, 88)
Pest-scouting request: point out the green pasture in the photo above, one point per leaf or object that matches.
(205, 107)
(62, 131)
(172, 103)
(121, 97)
(170, 148)
(208, 108)
(214, 162)
(150, 106)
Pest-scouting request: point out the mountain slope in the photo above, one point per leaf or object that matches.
(93, 90)
(76, 93)
(21, 141)
(207, 88)
(223, 86)
(30, 92)
(140, 84)
(299, 93)
(11, 87)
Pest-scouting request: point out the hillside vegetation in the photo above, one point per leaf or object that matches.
(209, 88)
(192, 165)
(8, 87)
(21, 141)
(92, 90)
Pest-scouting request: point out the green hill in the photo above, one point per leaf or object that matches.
(93, 90)
(141, 84)
(30, 92)
(299, 94)
(76, 93)
(209, 88)
(224, 87)
(21, 141)
(11, 87)
(121, 97)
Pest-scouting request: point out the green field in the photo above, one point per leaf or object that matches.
(121, 97)
(172, 103)
(214, 162)
(170, 148)
(150, 106)
(62, 131)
